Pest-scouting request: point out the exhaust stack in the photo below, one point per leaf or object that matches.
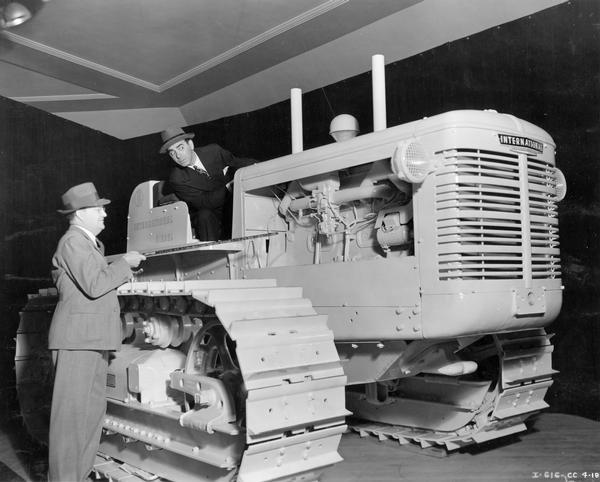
(379, 109)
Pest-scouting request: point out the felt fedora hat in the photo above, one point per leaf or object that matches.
(80, 197)
(171, 136)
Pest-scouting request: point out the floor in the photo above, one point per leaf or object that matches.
(557, 447)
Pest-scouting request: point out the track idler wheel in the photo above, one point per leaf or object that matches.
(212, 354)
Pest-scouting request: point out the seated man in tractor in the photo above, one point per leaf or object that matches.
(202, 178)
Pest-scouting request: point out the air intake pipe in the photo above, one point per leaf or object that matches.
(296, 114)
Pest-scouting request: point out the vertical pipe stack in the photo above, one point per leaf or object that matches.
(379, 109)
(296, 101)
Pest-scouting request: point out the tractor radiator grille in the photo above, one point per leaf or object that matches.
(480, 225)
(545, 253)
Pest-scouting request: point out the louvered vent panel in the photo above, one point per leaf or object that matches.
(545, 252)
(479, 219)
(478, 216)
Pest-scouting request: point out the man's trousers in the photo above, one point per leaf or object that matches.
(78, 410)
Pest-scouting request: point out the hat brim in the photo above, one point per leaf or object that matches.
(173, 140)
(98, 203)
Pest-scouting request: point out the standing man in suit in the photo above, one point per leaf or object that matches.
(202, 178)
(85, 327)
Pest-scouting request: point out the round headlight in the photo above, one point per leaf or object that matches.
(410, 162)
(561, 184)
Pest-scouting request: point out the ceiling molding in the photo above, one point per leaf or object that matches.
(254, 42)
(32, 44)
(65, 97)
(273, 32)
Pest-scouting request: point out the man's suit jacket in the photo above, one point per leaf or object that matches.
(201, 191)
(87, 316)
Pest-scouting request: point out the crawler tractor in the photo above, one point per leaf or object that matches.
(404, 276)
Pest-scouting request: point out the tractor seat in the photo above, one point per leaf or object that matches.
(162, 193)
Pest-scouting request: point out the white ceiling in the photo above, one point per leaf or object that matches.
(132, 67)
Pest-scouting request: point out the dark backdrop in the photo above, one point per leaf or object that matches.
(544, 68)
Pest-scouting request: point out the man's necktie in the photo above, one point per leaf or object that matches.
(200, 170)
(100, 246)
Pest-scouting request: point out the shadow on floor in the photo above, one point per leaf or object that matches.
(21, 450)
